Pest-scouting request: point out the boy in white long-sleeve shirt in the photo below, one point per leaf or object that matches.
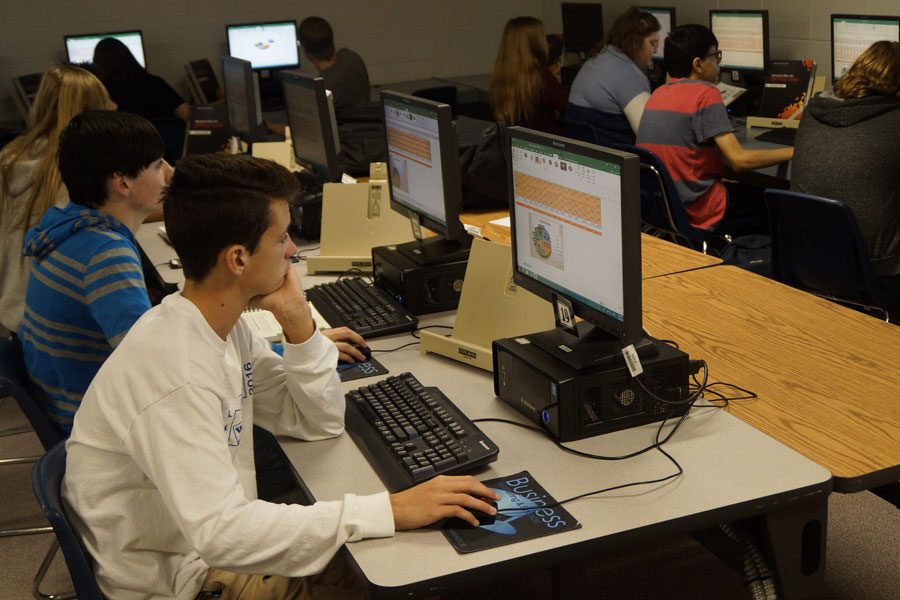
(160, 476)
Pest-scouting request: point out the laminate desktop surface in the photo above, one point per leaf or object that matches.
(828, 377)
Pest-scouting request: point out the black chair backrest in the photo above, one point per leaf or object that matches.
(14, 381)
(579, 130)
(440, 93)
(816, 245)
(46, 480)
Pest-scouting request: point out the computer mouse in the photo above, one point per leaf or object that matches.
(483, 518)
(175, 263)
(367, 352)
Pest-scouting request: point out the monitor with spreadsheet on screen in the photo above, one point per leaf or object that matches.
(743, 39)
(241, 98)
(666, 17)
(576, 227)
(80, 48)
(314, 135)
(852, 34)
(423, 171)
(270, 45)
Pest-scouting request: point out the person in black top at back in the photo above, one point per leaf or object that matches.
(132, 87)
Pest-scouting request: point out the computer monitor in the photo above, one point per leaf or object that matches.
(242, 98)
(80, 48)
(271, 45)
(666, 17)
(576, 227)
(582, 26)
(743, 39)
(423, 171)
(314, 135)
(852, 34)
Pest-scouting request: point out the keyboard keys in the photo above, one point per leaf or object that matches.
(367, 309)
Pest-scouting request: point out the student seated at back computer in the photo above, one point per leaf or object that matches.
(611, 88)
(523, 90)
(685, 123)
(29, 179)
(344, 71)
(163, 429)
(132, 87)
(848, 148)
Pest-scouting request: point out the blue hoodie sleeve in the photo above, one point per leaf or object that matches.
(115, 290)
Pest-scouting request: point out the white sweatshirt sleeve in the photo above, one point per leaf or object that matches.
(179, 444)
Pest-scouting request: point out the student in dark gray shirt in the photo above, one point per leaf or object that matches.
(344, 70)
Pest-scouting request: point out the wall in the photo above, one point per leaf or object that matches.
(797, 28)
(399, 39)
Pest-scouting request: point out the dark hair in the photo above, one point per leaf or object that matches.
(317, 38)
(100, 143)
(214, 201)
(630, 29)
(113, 61)
(683, 45)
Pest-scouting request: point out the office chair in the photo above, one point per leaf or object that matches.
(662, 212)
(445, 94)
(14, 382)
(579, 130)
(817, 247)
(46, 480)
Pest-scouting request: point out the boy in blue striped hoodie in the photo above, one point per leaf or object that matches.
(86, 287)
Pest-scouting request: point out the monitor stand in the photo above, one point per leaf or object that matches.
(491, 307)
(436, 250)
(356, 217)
(593, 346)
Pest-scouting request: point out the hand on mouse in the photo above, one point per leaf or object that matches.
(346, 341)
(440, 498)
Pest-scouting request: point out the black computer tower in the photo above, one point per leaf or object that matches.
(421, 289)
(577, 404)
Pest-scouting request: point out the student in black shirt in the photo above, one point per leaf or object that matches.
(132, 87)
(344, 71)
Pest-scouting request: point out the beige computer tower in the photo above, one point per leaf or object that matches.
(491, 307)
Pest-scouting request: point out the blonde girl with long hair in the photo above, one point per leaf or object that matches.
(29, 179)
(523, 90)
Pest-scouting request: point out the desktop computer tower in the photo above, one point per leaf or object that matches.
(575, 404)
(421, 289)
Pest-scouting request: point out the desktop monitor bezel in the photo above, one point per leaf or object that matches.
(630, 329)
(834, 17)
(332, 170)
(593, 6)
(764, 13)
(254, 112)
(670, 10)
(102, 35)
(452, 186)
(293, 22)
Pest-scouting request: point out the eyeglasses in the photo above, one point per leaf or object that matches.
(717, 54)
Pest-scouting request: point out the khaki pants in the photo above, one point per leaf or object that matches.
(336, 582)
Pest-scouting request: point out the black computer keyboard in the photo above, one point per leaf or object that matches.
(780, 135)
(364, 308)
(410, 433)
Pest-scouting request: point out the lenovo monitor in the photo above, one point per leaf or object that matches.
(743, 39)
(852, 34)
(271, 45)
(314, 135)
(582, 26)
(242, 98)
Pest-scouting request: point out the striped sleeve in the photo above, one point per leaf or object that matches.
(115, 290)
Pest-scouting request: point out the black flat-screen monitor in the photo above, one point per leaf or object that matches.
(423, 171)
(80, 48)
(582, 26)
(666, 17)
(241, 98)
(576, 241)
(271, 45)
(743, 39)
(852, 34)
(314, 135)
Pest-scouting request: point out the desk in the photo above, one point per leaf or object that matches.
(776, 176)
(159, 252)
(728, 476)
(658, 257)
(827, 376)
(480, 84)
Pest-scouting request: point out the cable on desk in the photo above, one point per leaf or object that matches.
(394, 349)
(301, 254)
(355, 271)
(416, 331)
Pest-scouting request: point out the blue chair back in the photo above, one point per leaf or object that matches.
(46, 480)
(817, 246)
(15, 382)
